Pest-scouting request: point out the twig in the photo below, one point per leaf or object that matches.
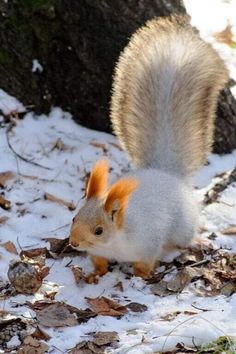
(199, 308)
(8, 130)
(213, 194)
(204, 261)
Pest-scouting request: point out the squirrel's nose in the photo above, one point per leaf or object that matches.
(73, 244)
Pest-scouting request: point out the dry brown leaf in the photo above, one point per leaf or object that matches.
(160, 288)
(95, 349)
(32, 345)
(85, 348)
(3, 219)
(171, 316)
(35, 253)
(183, 278)
(97, 144)
(4, 203)
(97, 345)
(82, 315)
(59, 145)
(190, 256)
(5, 176)
(228, 290)
(56, 315)
(136, 307)
(225, 36)
(106, 307)
(52, 198)
(105, 338)
(119, 286)
(26, 277)
(78, 273)
(181, 348)
(230, 230)
(57, 245)
(40, 334)
(9, 246)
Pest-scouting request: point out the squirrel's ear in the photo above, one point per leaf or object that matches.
(97, 184)
(118, 197)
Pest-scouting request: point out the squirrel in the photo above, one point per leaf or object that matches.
(164, 96)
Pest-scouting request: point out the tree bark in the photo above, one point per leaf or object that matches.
(225, 127)
(78, 43)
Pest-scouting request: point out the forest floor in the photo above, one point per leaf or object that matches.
(190, 301)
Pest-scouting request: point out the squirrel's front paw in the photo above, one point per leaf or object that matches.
(143, 270)
(101, 268)
(92, 278)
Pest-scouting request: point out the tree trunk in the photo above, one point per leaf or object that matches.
(77, 43)
(225, 131)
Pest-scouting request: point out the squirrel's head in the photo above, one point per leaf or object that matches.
(104, 209)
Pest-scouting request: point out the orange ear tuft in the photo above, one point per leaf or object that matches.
(97, 183)
(118, 197)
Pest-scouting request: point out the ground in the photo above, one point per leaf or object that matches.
(193, 309)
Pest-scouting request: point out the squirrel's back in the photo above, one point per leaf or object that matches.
(165, 91)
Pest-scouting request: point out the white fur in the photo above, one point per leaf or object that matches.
(161, 211)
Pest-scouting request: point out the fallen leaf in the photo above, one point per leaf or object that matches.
(119, 286)
(97, 345)
(182, 278)
(3, 219)
(4, 203)
(26, 277)
(230, 230)
(136, 307)
(225, 36)
(99, 145)
(190, 256)
(81, 315)
(52, 198)
(35, 253)
(56, 315)
(160, 288)
(171, 316)
(5, 176)
(9, 246)
(105, 338)
(106, 307)
(59, 145)
(32, 345)
(228, 289)
(40, 334)
(78, 273)
(57, 245)
(85, 348)
(95, 349)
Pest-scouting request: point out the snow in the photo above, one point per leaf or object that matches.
(61, 173)
(9, 104)
(37, 67)
(34, 138)
(14, 342)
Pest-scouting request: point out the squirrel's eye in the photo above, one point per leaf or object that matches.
(98, 231)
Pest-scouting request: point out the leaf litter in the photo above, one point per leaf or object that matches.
(208, 265)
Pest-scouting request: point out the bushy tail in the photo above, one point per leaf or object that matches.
(165, 91)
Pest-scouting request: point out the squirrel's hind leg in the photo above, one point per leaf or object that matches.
(144, 269)
(100, 269)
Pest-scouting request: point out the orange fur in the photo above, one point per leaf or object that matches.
(120, 193)
(97, 183)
